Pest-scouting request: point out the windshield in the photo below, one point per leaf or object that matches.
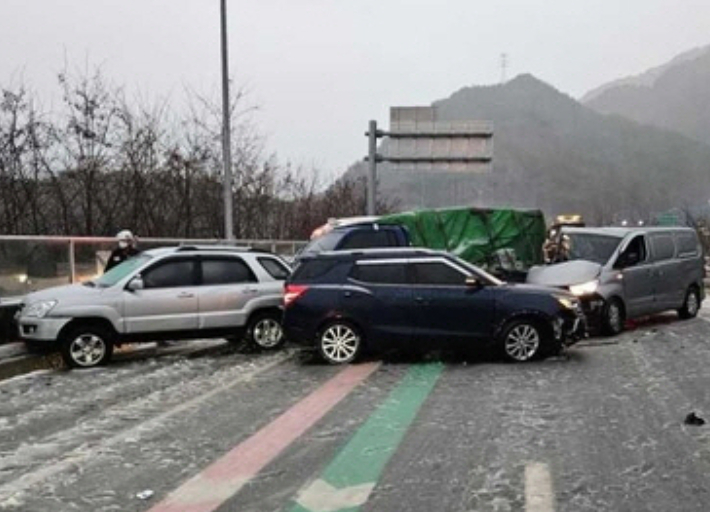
(121, 270)
(324, 243)
(595, 248)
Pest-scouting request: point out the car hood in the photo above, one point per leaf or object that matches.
(72, 293)
(564, 274)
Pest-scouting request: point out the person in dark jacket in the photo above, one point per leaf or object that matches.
(126, 249)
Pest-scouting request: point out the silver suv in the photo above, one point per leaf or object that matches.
(169, 293)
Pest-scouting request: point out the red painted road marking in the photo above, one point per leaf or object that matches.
(224, 478)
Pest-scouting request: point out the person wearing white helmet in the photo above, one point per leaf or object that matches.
(126, 249)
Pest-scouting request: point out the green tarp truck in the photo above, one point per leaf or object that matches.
(491, 238)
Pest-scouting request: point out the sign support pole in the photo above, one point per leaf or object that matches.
(372, 170)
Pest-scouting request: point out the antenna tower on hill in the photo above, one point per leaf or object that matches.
(503, 68)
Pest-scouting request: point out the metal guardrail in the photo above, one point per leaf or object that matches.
(29, 263)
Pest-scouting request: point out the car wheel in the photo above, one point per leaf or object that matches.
(265, 331)
(691, 306)
(87, 346)
(522, 341)
(339, 343)
(613, 317)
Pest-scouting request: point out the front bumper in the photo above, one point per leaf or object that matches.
(570, 327)
(593, 309)
(40, 329)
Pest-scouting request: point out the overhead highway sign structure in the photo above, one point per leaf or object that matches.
(419, 142)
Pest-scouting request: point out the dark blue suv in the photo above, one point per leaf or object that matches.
(355, 233)
(341, 301)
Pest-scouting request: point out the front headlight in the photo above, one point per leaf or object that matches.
(566, 302)
(39, 309)
(584, 288)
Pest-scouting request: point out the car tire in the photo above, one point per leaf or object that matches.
(691, 304)
(613, 317)
(339, 342)
(87, 346)
(265, 331)
(523, 340)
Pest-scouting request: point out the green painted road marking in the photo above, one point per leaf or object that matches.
(347, 482)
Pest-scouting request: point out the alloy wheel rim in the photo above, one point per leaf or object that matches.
(522, 342)
(268, 333)
(87, 349)
(692, 305)
(340, 343)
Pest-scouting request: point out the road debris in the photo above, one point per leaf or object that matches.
(693, 419)
(145, 495)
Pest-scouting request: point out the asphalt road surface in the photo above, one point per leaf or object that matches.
(599, 429)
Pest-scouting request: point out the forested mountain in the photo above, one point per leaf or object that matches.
(551, 152)
(674, 96)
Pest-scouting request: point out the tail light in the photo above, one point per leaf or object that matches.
(292, 293)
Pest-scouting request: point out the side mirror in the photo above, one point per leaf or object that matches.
(135, 284)
(473, 282)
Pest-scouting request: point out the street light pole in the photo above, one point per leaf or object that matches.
(226, 132)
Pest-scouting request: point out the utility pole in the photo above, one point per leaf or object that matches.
(226, 132)
(372, 168)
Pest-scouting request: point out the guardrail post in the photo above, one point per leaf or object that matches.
(72, 262)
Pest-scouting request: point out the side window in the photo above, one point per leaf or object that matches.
(635, 253)
(435, 273)
(226, 271)
(313, 269)
(368, 238)
(392, 238)
(275, 268)
(380, 273)
(687, 245)
(170, 274)
(663, 246)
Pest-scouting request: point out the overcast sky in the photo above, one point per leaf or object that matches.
(320, 69)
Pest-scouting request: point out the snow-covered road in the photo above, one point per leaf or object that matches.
(600, 429)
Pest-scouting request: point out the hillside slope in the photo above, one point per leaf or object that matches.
(674, 96)
(553, 153)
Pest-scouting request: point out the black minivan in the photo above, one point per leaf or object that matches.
(341, 301)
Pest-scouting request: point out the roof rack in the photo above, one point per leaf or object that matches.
(235, 248)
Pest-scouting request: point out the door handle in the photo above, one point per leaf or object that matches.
(185, 295)
(420, 300)
(347, 294)
(250, 290)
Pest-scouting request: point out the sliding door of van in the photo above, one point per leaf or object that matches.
(666, 271)
(637, 275)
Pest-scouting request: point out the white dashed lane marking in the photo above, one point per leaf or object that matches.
(538, 488)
